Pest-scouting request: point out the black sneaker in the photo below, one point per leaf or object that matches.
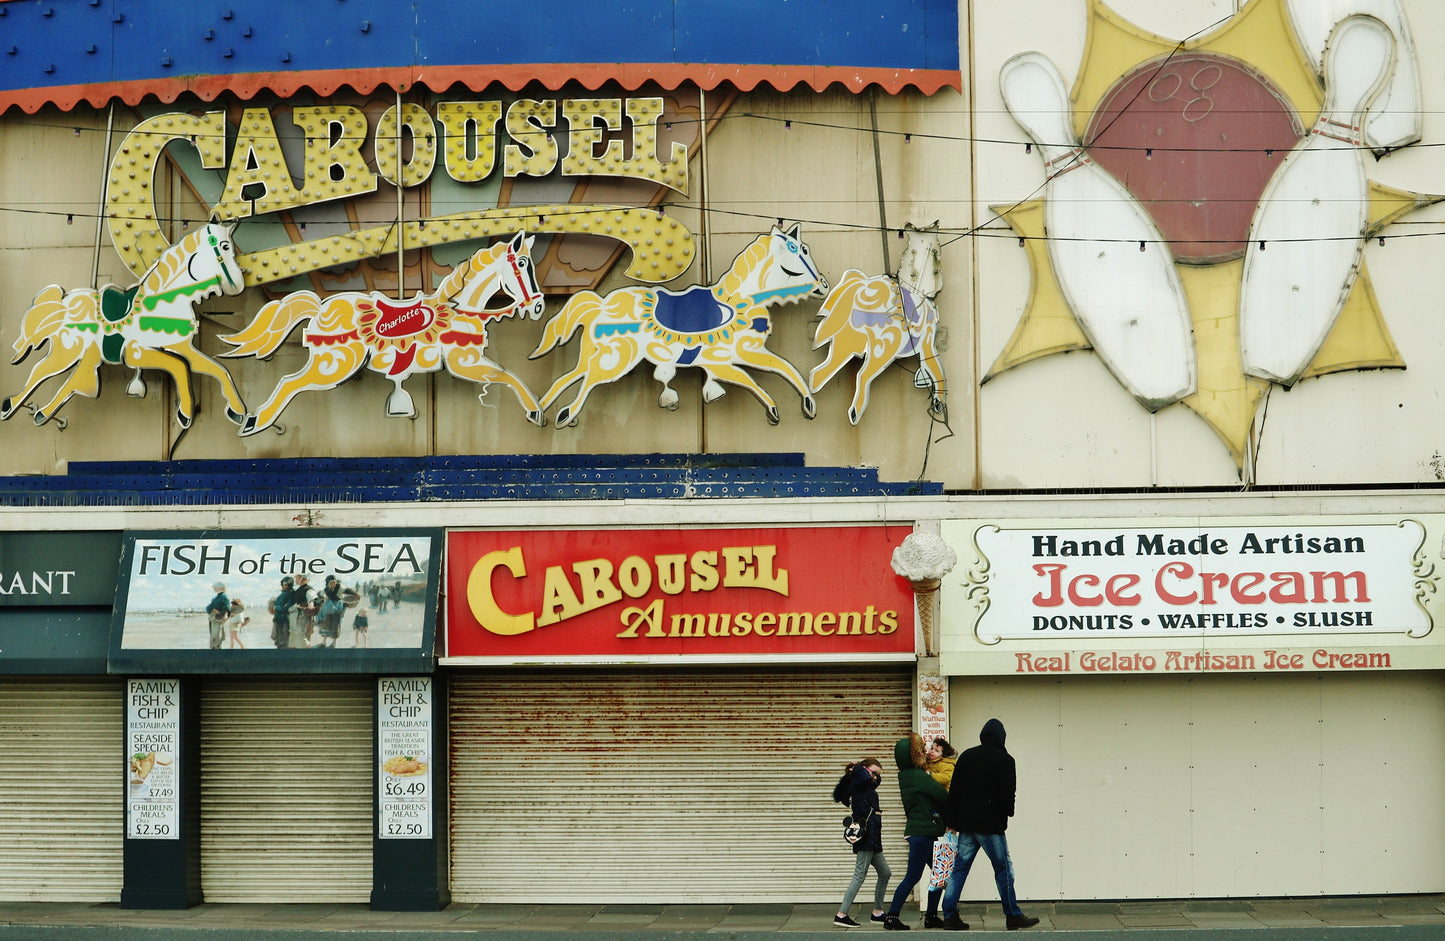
(891, 923)
(1021, 921)
(955, 923)
(843, 921)
(878, 918)
(931, 920)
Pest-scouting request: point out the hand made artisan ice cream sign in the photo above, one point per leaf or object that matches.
(1103, 585)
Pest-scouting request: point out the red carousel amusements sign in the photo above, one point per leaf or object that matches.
(707, 593)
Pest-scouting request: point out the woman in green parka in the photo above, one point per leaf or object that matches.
(924, 801)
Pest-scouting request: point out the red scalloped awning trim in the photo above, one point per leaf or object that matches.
(478, 78)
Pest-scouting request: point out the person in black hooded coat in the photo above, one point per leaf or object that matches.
(858, 788)
(980, 802)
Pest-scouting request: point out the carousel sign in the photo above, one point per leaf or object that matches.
(406, 145)
(636, 595)
(284, 162)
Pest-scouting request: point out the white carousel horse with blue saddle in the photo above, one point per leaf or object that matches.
(721, 328)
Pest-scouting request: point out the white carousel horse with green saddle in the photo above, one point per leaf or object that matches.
(152, 325)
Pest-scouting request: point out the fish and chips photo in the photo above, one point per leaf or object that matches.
(404, 766)
(141, 764)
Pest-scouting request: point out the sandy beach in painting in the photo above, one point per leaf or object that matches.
(397, 626)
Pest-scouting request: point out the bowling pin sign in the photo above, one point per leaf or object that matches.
(1396, 118)
(1307, 236)
(1111, 262)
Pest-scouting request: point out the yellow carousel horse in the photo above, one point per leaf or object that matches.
(882, 319)
(721, 329)
(150, 326)
(447, 328)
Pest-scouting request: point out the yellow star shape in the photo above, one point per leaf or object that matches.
(1226, 398)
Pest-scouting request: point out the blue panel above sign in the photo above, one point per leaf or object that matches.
(63, 51)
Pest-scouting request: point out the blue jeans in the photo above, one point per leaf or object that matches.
(863, 860)
(920, 854)
(995, 847)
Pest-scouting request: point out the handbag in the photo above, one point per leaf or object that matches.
(855, 830)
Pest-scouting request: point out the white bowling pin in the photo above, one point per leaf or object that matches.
(1395, 118)
(1307, 235)
(1129, 302)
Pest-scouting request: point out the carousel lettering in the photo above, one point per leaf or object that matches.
(595, 583)
(604, 137)
(259, 180)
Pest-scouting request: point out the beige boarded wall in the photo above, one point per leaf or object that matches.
(1209, 787)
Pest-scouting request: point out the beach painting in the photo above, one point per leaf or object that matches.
(317, 594)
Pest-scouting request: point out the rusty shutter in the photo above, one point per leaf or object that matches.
(665, 786)
(62, 815)
(286, 790)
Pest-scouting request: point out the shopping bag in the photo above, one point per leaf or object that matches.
(945, 848)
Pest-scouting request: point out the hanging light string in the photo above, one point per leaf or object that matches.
(817, 226)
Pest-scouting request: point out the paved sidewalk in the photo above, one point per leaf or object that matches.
(1412, 916)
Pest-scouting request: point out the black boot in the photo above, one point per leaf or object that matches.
(891, 923)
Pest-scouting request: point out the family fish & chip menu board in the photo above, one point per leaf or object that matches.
(153, 736)
(404, 736)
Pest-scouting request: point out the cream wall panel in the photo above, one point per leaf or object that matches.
(1115, 811)
(1254, 794)
(1061, 422)
(1031, 714)
(1212, 786)
(1389, 737)
(53, 165)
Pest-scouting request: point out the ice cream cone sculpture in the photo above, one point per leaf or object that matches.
(923, 559)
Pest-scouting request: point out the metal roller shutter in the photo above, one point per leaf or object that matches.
(62, 815)
(286, 791)
(678, 786)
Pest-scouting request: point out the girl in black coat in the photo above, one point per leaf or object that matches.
(858, 788)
